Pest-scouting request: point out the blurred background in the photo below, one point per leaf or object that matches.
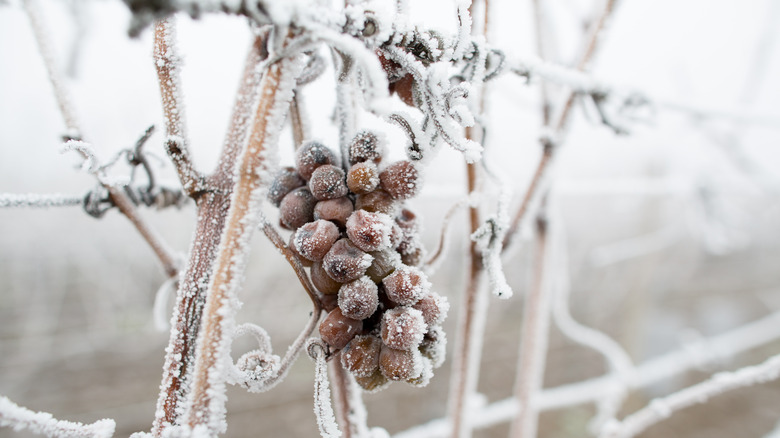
(671, 230)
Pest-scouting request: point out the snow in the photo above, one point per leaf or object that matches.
(43, 423)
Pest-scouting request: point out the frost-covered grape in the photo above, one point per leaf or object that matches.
(412, 255)
(426, 374)
(369, 231)
(363, 178)
(434, 308)
(322, 280)
(406, 285)
(403, 328)
(406, 219)
(365, 146)
(401, 180)
(311, 155)
(334, 210)
(304, 261)
(346, 262)
(373, 383)
(378, 201)
(327, 182)
(434, 345)
(361, 355)
(284, 182)
(314, 239)
(385, 261)
(337, 330)
(297, 208)
(358, 299)
(400, 364)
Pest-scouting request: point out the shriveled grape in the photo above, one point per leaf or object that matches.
(378, 201)
(373, 383)
(401, 180)
(406, 285)
(358, 299)
(322, 280)
(365, 146)
(361, 355)
(434, 308)
(369, 231)
(403, 328)
(311, 155)
(284, 182)
(363, 178)
(327, 182)
(346, 262)
(400, 364)
(337, 330)
(334, 210)
(297, 208)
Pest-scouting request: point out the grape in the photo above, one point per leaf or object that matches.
(328, 302)
(314, 239)
(373, 383)
(327, 182)
(369, 231)
(311, 155)
(385, 261)
(406, 219)
(378, 201)
(434, 345)
(291, 245)
(400, 364)
(297, 208)
(426, 374)
(337, 330)
(400, 179)
(334, 210)
(406, 285)
(346, 262)
(403, 328)
(284, 182)
(359, 299)
(361, 355)
(322, 280)
(434, 308)
(412, 255)
(365, 146)
(363, 178)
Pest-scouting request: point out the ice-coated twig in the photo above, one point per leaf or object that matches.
(323, 409)
(712, 350)
(343, 389)
(534, 336)
(206, 406)
(43, 40)
(662, 408)
(34, 200)
(42, 423)
(91, 164)
(617, 358)
(434, 261)
(167, 64)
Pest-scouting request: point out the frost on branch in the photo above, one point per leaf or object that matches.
(42, 423)
(323, 408)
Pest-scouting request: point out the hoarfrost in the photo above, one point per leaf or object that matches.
(323, 410)
(43, 423)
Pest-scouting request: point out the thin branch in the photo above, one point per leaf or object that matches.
(166, 62)
(323, 409)
(35, 200)
(435, 259)
(42, 423)
(207, 400)
(341, 395)
(662, 408)
(534, 338)
(706, 352)
(298, 119)
(43, 39)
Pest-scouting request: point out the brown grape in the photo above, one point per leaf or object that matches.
(337, 330)
(434, 345)
(361, 355)
(297, 208)
(334, 210)
(358, 299)
(327, 182)
(399, 364)
(311, 155)
(373, 383)
(363, 178)
(434, 308)
(314, 239)
(365, 146)
(284, 182)
(403, 328)
(322, 280)
(369, 231)
(378, 201)
(406, 285)
(346, 262)
(401, 180)
(291, 244)
(385, 261)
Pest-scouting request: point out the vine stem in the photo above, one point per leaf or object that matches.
(207, 398)
(191, 295)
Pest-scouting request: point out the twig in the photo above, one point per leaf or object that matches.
(534, 337)
(42, 423)
(297, 120)
(434, 260)
(35, 200)
(662, 408)
(207, 401)
(705, 353)
(341, 395)
(323, 409)
(42, 38)
(166, 62)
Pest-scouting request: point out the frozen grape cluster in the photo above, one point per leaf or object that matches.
(351, 227)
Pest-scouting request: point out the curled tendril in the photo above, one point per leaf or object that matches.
(316, 347)
(253, 369)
